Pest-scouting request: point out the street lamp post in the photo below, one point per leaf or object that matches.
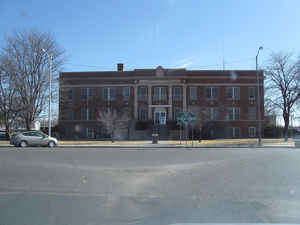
(50, 90)
(258, 99)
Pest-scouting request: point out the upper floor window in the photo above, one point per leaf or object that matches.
(233, 93)
(252, 113)
(88, 114)
(160, 93)
(142, 93)
(193, 93)
(233, 113)
(109, 93)
(251, 93)
(211, 92)
(143, 113)
(126, 92)
(86, 92)
(176, 111)
(70, 93)
(70, 115)
(177, 96)
(83, 93)
(213, 113)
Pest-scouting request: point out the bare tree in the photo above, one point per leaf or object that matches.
(113, 119)
(283, 83)
(9, 101)
(27, 67)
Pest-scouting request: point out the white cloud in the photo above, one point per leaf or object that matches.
(184, 62)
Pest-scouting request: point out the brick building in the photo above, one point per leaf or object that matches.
(224, 102)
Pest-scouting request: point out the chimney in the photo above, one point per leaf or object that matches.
(120, 67)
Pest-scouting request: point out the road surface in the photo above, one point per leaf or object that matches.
(148, 186)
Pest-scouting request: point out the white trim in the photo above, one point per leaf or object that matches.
(161, 106)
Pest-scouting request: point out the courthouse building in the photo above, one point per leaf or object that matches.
(224, 102)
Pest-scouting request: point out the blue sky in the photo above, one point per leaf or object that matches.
(195, 34)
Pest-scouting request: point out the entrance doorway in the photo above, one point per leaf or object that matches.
(160, 116)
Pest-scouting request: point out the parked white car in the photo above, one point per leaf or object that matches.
(33, 138)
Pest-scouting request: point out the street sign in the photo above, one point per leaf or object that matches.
(186, 118)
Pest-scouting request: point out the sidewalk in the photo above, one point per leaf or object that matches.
(225, 143)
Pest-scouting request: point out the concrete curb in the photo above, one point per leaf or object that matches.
(158, 146)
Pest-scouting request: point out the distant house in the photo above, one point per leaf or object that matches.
(153, 98)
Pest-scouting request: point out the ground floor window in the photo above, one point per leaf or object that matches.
(234, 132)
(90, 132)
(252, 131)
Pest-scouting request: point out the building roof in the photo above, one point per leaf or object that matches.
(160, 72)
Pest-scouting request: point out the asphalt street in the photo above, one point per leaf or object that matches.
(149, 186)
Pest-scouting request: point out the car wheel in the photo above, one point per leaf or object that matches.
(23, 144)
(51, 144)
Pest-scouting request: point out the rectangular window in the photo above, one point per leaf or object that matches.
(126, 92)
(252, 113)
(83, 114)
(142, 93)
(70, 93)
(234, 132)
(251, 93)
(160, 93)
(143, 113)
(252, 131)
(89, 114)
(177, 96)
(213, 113)
(109, 93)
(83, 93)
(233, 93)
(211, 93)
(176, 111)
(193, 93)
(90, 132)
(70, 115)
(233, 113)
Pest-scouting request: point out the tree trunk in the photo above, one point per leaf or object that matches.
(286, 127)
(28, 124)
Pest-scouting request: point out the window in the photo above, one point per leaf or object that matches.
(252, 131)
(83, 113)
(109, 93)
(234, 132)
(126, 92)
(251, 93)
(90, 133)
(193, 93)
(70, 115)
(252, 113)
(233, 113)
(176, 111)
(211, 93)
(83, 93)
(213, 113)
(160, 93)
(142, 93)
(177, 94)
(143, 113)
(89, 92)
(233, 93)
(70, 93)
(87, 114)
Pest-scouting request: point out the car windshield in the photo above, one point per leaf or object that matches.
(146, 112)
